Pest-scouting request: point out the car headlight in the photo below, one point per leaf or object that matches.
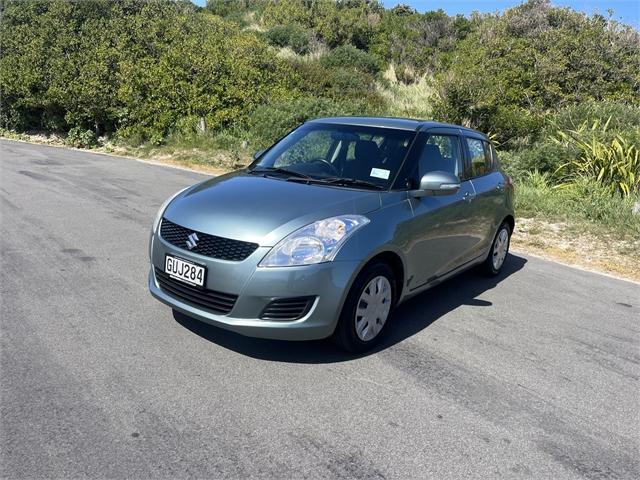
(163, 207)
(317, 242)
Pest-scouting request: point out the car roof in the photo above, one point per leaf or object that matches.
(392, 122)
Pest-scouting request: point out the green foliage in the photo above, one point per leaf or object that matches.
(135, 67)
(532, 60)
(418, 41)
(336, 23)
(615, 165)
(291, 35)
(543, 153)
(544, 156)
(350, 57)
(313, 78)
(583, 201)
(79, 138)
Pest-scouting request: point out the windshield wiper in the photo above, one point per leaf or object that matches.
(284, 171)
(299, 176)
(352, 181)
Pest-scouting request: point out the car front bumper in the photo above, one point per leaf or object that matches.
(256, 287)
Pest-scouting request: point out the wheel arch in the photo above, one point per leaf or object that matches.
(510, 221)
(395, 262)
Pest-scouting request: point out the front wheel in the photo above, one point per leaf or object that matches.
(499, 250)
(366, 309)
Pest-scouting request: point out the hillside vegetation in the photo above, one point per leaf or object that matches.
(558, 91)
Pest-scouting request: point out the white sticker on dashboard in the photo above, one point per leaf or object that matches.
(380, 173)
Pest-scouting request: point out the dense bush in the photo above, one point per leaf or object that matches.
(79, 138)
(580, 128)
(348, 56)
(532, 60)
(313, 78)
(405, 37)
(622, 120)
(291, 35)
(336, 23)
(129, 66)
(545, 156)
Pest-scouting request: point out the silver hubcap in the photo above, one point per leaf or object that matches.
(500, 248)
(373, 308)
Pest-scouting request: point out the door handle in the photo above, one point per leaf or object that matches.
(468, 196)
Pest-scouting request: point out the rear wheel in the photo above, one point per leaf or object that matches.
(367, 308)
(499, 250)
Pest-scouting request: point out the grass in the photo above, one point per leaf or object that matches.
(585, 205)
(198, 151)
(581, 224)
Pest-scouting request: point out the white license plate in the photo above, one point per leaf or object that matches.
(184, 271)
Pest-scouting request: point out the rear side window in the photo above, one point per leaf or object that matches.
(494, 156)
(481, 157)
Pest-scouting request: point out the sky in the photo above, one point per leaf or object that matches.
(626, 11)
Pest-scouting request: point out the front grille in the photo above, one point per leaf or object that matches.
(287, 308)
(216, 302)
(208, 245)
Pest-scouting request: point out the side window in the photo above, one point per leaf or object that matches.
(494, 156)
(480, 153)
(488, 156)
(441, 152)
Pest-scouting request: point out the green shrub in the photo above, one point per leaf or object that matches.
(619, 115)
(79, 138)
(348, 56)
(543, 152)
(291, 35)
(544, 156)
(311, 77)
(348, 83)
(583, 201)
(614, 164)
(314, 79)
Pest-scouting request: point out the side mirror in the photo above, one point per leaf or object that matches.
(437, 183)
(258, 154)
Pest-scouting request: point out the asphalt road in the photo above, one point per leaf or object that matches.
(532, 375)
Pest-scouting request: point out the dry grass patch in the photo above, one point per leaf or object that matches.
(407, 100)
(562, 242)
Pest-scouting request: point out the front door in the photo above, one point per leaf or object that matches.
(443, 234)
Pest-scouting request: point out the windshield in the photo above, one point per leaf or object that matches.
(347, 155)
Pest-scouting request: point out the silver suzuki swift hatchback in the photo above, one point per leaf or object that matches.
(332, 227)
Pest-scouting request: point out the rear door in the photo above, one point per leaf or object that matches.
(488, 183)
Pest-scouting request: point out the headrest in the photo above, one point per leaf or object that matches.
(366, 151)
(432, 152)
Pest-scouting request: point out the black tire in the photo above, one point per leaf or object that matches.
(488, 267)
(345, 334)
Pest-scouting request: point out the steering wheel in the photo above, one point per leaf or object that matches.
(330, 167)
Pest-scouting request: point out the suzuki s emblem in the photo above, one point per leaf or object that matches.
(192, 241)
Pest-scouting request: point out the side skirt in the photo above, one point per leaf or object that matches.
(437, 280)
